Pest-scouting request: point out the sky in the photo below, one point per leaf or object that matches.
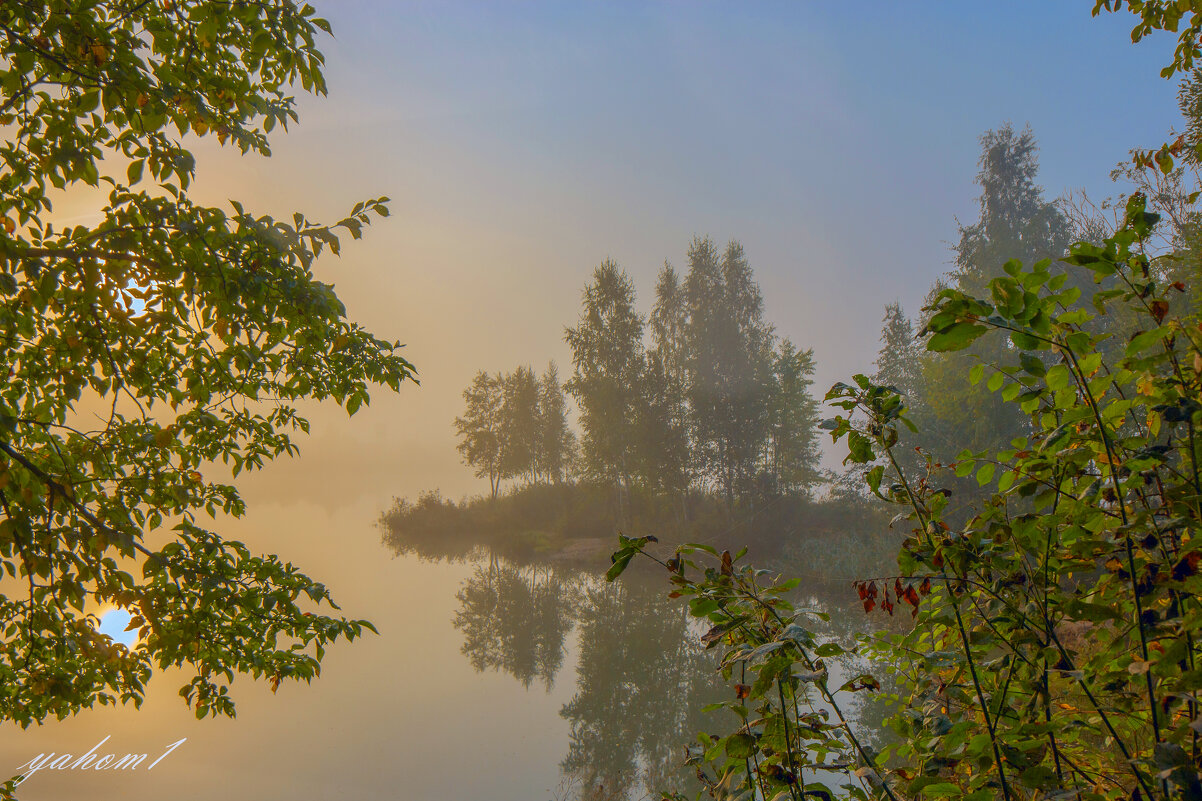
(522, 144)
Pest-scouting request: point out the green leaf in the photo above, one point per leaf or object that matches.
(956, 337)
(1032, 365)
(740, 745)
(1058, 377)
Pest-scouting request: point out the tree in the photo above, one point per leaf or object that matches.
(195, 329)
(793, 421)
(607, 353)
(1015, 222)
(557, 442)
(899, 364)
(898, 361)
(1163, 15)
(480, 429)
(520, 429)
(665, 427)
(730, 365)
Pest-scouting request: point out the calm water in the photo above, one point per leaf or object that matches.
(490, 680)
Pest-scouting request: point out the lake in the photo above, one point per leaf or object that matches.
(489, 680)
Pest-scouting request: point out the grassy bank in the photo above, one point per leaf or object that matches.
(843, 535)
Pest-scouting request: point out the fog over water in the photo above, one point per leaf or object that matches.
(524, 144)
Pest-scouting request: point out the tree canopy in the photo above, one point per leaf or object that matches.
(156, 353)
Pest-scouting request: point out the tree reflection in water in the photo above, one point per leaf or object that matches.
(642, 676)
(515, 619)
(641, 682)
(641, 679)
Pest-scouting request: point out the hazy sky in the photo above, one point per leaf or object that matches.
(523, 143)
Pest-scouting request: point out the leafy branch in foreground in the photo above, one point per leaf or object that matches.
(150, 348)
(1056, 655)
(793, 737)
(1054, 650)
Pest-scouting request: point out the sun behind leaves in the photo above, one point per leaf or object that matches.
(195, 330)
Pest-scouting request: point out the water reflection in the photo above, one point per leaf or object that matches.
(641, 682)
(515, 619)
(641, 679)
(641, 674)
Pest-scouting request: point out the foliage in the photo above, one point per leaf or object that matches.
(730, 363)
(607, 353)
(1090, 529)
(521, 432)
(1164, 15)
(515, 426)
(792, 442)
(700, 400)
(1014, 221)
(792, 737)
(1053, 652)
(666, 453)
(481, 428)
(557, 441)
(150, 348)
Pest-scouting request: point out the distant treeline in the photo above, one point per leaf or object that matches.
(698, 420)
(952, 397)
(699, 399)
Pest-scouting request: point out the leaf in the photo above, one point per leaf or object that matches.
(1058, 378)
(716, 633)
(1032, 365)
(740, 746)
(1159, 308)
(956, 337)
(619, 562)
(829, 649)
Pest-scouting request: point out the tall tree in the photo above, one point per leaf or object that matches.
(664, 434)
(1015, 222)
(521, 436)
(898, 363)
(793, 421)
(200, 330)
(557, 441)
(480, 429)
(730, 365)
(607, 353)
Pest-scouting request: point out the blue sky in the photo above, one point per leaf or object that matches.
(523, 143)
